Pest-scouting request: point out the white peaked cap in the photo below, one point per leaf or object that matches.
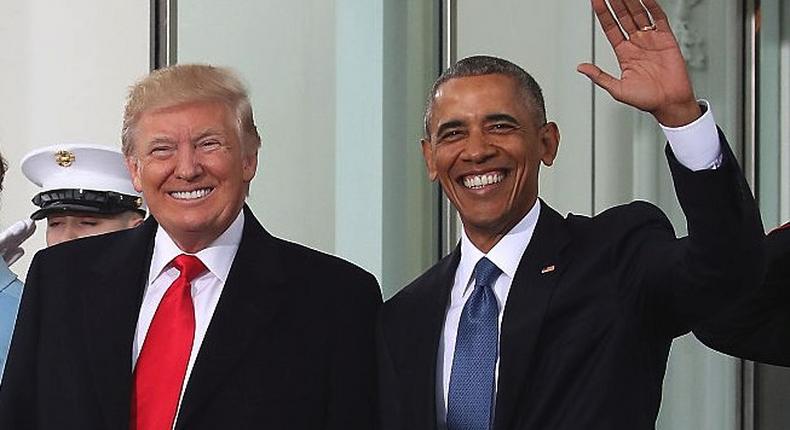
(91, 167)
(80, 178)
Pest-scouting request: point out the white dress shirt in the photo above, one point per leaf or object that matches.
(206, 288)
(696, 146)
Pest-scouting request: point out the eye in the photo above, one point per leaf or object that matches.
(161, 150)
(502, 127)
(451, 135)
(209, 144)
(54, 224)
(89, 223)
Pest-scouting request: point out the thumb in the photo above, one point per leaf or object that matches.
(599, 77)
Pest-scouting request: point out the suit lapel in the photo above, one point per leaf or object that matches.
(529, 297)
(430, 306)
(252, 296)
(116, 287)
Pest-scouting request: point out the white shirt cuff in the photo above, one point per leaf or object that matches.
(696, 145)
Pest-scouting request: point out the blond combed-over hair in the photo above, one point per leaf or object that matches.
(188, 83)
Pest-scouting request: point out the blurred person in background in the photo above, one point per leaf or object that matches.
(10, 286)
(86, 191)
(757, 328)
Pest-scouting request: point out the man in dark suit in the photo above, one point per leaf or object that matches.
(758, 326)
(198, 319)
(536, 321)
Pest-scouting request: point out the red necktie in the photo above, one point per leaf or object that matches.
(162, 364)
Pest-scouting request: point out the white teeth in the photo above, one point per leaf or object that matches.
(191, 195)
(480, 181)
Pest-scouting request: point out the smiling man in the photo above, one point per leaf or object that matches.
(86, 191)
(538, 321)
(199, 318)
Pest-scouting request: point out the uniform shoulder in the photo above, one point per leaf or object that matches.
(86, 248)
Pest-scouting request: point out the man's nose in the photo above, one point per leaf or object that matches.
(478, 148)
(188, 163)
(70, 232)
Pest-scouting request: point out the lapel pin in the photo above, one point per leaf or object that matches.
(547, 269)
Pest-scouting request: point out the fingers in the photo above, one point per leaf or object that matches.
(624, 16)
(17, 233)
(608, 23)
(629, 16)
(638, 13)
(659, 17)
(600, 78)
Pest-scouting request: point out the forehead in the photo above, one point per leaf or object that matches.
(186, 117)
(477, 95)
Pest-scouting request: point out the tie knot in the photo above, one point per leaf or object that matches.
(486, 272)
(188, 266)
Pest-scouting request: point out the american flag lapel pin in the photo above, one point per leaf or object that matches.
(547, 269)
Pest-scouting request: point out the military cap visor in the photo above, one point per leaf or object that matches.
(84, 201)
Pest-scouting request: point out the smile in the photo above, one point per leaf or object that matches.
(476, 182)
(191, 195)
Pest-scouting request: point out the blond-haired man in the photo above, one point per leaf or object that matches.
(199, 319)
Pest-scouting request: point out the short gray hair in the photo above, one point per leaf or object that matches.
(480, 65)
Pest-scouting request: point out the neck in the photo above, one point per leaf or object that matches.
(485, 238)
(193, 244)
(483, 242)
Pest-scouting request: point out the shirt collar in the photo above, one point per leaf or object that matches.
(217, 257)
(506, 254)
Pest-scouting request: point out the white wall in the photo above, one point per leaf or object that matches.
(64, 70)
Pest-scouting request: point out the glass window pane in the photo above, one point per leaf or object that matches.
(337, 90)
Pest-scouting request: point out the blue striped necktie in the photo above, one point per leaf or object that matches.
(471, 394)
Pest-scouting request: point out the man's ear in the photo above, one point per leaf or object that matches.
(550, 140)
(132, 165)
(427, 154)
(249, 164)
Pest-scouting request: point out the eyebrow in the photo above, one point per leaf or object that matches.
(494, 117)
(501, 117)
(160, 139)
(208, 133)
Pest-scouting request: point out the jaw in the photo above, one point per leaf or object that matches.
(489, 212)
(195, 223)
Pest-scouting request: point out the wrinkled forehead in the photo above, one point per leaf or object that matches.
(476, 96)
(194, 117)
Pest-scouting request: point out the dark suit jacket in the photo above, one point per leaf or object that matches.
(585, 346)
(290, 346)
(758, 327)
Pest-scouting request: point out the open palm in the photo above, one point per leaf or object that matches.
(653, 74)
